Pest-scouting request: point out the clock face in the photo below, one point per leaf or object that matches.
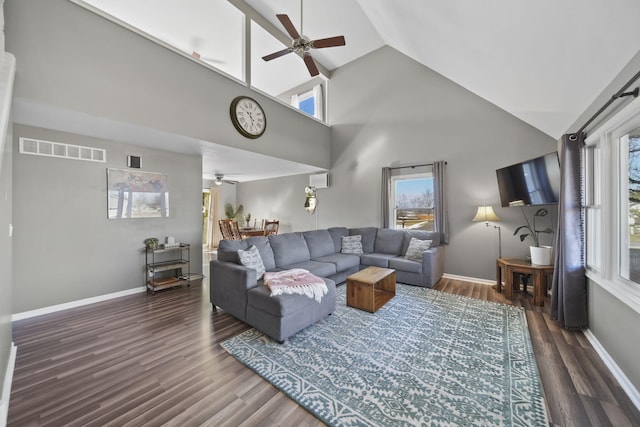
(248, 117)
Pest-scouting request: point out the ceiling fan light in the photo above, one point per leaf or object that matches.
(218, 182)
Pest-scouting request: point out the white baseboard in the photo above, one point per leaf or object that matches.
(626, 385)
(469, 279)
(78, 303)
(6, 387)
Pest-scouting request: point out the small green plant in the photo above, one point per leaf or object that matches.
(530, 230)
(151, 242)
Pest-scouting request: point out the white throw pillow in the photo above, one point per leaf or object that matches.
(251, 258)
(415, 249)
(352, 244)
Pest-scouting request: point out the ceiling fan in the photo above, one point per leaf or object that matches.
(220, 180)
(301, 44)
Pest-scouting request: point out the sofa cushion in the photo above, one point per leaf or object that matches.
(262, 243)
(403, 264)
(378, 260)
(368, 237)
(251, 258)
(351, 244)
(228, 250)
(336, 234)
(415, 249)
(284, 305)
(422, 235)
(342, 262)
(319, 243)
(389, 241)
(320, 269)
(289, 248)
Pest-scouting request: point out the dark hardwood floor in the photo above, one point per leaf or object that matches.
(156, 360)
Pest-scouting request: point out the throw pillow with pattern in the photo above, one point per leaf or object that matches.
(251, 258)
(352, 244)
(415, 249)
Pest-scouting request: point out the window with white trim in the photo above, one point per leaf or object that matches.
(310, 102)
(629, 205)
(412, 202)
(612, 205)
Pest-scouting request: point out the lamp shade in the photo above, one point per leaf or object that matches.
(485, 213)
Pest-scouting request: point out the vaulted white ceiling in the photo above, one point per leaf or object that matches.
(543, 61)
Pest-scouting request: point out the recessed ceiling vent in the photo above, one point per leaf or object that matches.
(59, 149)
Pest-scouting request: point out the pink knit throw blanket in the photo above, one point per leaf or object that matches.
(296, 281)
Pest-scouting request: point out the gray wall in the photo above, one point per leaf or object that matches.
(614, 324)
(72, 59)
(6, 87)
(6, 256)
(65, 248)
(283, 199)
(77, 64)
(611, 320)
(405, 113)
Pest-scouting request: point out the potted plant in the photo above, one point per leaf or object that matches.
(151, 242)
(236, 213)
(540, 255)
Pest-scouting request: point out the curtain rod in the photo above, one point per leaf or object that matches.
(620, 94)
(414, 166)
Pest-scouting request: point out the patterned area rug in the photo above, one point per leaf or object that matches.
(424, 358)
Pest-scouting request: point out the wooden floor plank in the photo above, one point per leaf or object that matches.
(156, 360)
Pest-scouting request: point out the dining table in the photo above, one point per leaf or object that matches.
(250, 232)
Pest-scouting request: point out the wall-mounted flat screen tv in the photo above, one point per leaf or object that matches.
(533, 182)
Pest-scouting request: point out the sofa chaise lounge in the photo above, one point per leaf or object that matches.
(236, 289)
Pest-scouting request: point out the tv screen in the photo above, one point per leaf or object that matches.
(534, 182)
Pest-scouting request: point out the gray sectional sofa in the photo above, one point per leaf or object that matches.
(235, 288)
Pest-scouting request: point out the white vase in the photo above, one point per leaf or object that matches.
(541, 255)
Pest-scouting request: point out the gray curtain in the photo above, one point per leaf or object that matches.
(569, 291)
(440, 201)
(385, 194)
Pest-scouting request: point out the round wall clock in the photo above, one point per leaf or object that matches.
(248, 117)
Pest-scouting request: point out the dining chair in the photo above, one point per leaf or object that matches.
(271, 227)
(229, 229)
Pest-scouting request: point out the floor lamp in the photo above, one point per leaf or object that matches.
(486, 214)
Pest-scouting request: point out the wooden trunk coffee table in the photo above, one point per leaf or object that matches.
(371, 288)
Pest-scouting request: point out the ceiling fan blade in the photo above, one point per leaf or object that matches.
(328, 42)
(277, 54)
(288, 25)
(311, 66)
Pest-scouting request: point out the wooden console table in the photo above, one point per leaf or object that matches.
(514, 266)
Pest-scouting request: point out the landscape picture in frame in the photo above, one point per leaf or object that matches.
(135, 194)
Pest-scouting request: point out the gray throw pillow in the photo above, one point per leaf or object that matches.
(251, 258)
(352, 244)
(415, 249)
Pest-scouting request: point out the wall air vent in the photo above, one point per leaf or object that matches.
(59, 149)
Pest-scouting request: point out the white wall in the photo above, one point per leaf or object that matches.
(65, 248)
(387, 110)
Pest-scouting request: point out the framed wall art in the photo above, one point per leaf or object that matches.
(136, 194)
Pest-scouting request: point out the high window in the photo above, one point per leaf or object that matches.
(310, 102)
